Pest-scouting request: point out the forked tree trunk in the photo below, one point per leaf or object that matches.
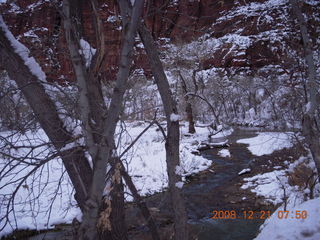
(101, 148)
(74, 159)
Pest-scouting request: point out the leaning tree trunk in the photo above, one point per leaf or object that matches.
(172, 139)
(310, 127)
(111, 224)
(74, 160)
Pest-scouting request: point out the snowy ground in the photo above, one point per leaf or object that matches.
(146, 161)
(268, 142)
(271, 185)
(293, 228)
(46, 197)
(274, 187)
(40, 204)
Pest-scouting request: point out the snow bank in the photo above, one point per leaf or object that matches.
(268, 142)
(269, 185)
(292, 228)
(274, 186)
(41, 201)
(146, 163)
(179, 184)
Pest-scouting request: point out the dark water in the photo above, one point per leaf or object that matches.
(238, 229)
(220, 229)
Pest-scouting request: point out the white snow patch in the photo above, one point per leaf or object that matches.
(268, 142)
(277, 167)
(70, 146)
(224, 153)
(179, 184)
(308, 106)
(274, 186)
(174, 117)
(221, 133)
(112, 19)
(217, 144)
(243, 171)
(179, 170)
(87, 51)
(23, 52)
(30, 211)
(269, 185)
(147, 159)
(291, 227)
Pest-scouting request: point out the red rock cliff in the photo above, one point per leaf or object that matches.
(38, 25)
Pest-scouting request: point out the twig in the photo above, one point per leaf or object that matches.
(137, 138)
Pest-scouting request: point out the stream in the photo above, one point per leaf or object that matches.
(217, 188)
(208, 193)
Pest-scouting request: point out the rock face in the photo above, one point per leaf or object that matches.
(250, 34)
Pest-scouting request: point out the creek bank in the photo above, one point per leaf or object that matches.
(218, 189)
(214, 189)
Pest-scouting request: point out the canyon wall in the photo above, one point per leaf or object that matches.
(246, 34)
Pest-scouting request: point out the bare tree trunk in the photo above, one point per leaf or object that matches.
(91, 114)
(111, 224)
(310, 127)
(172, 140)
(188, 105)
(45, 111)
(92, 109)
(224, 106)
(100, 134)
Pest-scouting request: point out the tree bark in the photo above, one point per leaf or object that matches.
(100, 133)
(188, 105)
(172, 140)
(111, 223)
(310, 126)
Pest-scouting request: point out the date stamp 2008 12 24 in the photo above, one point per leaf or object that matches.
(232, 214)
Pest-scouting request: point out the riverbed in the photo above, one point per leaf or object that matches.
(218, 189)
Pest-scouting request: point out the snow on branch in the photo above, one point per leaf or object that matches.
(86, 51)
(174, 117)
(23, 52)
